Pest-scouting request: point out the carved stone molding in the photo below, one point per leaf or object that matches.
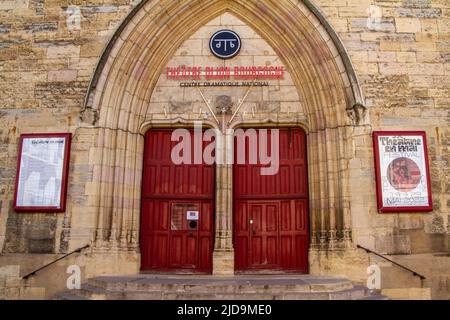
(357, 113)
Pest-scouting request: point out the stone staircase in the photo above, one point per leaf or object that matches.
(190, 287)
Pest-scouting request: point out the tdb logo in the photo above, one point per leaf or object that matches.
(225, 44)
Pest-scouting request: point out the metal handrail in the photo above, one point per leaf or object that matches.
(396, 263)
(54, 261)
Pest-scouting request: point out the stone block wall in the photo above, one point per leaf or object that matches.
(401, 50)
(12, 287)
(46, 64)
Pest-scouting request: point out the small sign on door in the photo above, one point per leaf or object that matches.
(192, 215)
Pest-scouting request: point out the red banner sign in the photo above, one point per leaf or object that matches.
(225, 73)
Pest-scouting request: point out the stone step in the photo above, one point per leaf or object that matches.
(145, 287)
(95, 293)
(68, 295)
(375, 297)
(351, 294)
(87, 294)
(223, 285)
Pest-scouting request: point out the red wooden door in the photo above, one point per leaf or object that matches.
(271, 228)
(171, 239)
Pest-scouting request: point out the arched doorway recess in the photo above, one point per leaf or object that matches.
(117, 107)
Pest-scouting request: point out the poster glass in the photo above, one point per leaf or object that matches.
(41, 181)
(402, 169)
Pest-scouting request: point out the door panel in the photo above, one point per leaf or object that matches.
(271, 228)
(270, 235)
(169, 242)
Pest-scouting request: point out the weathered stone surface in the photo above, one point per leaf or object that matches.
(408, 294)
(218, 288)
(41, 27)
(5, 28)
(401, 59)
(420, 13)
(417, 3)
(393, 244)
(33, 234)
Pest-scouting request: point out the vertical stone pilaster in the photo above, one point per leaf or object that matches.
(117, 189)
(97, 156)
(313, 191)
(135, 210)
(345, 154)
(329, 203)
(223, 257)
(333, 188)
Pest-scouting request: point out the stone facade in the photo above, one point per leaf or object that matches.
(391, 73)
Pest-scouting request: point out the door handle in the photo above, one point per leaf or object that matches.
(254, 232)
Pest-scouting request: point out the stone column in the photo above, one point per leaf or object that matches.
(223, 257)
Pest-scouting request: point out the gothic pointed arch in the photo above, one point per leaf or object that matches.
(117, 104)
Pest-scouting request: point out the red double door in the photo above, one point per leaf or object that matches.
(177, 209)
(271, 227)
(270, 212)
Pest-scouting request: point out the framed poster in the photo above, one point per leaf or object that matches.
(402, 171)
(41, 180)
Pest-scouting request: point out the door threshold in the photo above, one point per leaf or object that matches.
(174, 272)
(270, 272)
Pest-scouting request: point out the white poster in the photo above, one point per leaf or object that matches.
(41, 172)
(403, 173)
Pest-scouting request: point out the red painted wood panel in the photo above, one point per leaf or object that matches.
(168, 241)
(271, 227)
(290, 182)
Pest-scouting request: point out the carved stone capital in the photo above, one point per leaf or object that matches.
(89, 116)
(357, 113)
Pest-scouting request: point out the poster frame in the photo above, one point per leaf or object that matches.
(408, 209)
(65, 173)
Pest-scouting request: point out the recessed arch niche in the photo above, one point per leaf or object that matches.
(121, 91)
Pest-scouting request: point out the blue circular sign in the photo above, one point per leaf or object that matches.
(225, 44)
